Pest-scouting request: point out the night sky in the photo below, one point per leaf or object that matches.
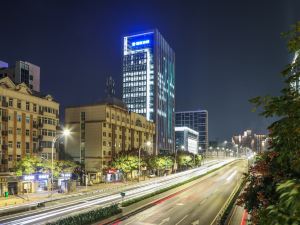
(226, 51)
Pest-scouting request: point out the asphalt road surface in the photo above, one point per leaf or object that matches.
(197, 205)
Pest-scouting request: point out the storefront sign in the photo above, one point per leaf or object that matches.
(28, 177)
(43, 176)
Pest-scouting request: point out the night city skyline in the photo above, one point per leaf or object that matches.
(225, 53)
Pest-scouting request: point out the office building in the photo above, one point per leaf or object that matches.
(23, 72)
(28, 123)
(149, 83)
(186, 139)
(198, 121)
(102, 130)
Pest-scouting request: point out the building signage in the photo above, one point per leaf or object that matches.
(43, 176)
(137, 43)
(28, 177)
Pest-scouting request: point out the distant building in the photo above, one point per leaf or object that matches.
(198, 121)
(149, 83)
(23, 72)
(186, 139)
(256, 142)
(28, 123)
(102, 130)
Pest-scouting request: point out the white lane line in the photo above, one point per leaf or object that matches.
(231, 176)
(181, 220)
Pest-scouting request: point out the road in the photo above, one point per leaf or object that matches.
(196, 205)
(43, 215)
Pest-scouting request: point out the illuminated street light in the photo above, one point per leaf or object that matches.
(65, 133)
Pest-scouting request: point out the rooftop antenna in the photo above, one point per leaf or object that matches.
(110, 87)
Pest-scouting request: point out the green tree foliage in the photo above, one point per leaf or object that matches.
(30, 165)
(273, 183)
(160, 163)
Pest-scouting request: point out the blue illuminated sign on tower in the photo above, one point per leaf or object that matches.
(149, 83)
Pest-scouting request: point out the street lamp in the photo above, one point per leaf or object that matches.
(148, 143)
(65, 133)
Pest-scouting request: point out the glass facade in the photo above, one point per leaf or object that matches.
(196, 120)
(149, 83)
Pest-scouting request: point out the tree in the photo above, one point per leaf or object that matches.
(127, 163)
(27, 166)
(273, 182)
(160, 163)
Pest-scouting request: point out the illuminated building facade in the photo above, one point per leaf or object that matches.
(186, 139)
(198, 121)
(149, 83)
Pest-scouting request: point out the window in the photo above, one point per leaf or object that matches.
(104, 152)
(104, 134)
(19, 104)
(18, 157)
(107, 115)
(27, 147)
(10, 131)
(34, 107)
(10, 102)
(10, 157)
(120, 136)
(18, 144)
(104, 143)
(109, 144)
(27, 106)
(82, 115)
(34, 133)
(104, 124)
(18, 131)
(27, 132)
(27, 119)
(10, 145)
(109, 152)
(19, 118)
(109, 134)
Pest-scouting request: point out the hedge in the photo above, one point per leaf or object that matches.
(89, 217)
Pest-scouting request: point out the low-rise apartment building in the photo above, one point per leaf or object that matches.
(29, 122)
(99, 131)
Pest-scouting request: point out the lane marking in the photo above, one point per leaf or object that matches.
(181, 220)
(231, 176)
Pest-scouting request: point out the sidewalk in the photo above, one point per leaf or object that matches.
(35, 197)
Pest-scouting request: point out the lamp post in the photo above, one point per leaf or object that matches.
(65, 133)
(148, 143)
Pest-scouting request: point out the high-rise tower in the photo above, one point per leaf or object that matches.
(149, 83)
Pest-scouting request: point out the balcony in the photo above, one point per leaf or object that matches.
(35, 125)
(4, 147)
(4, 133)
(41, 112)
(4, 119)
(35, 139)
(4, 104)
